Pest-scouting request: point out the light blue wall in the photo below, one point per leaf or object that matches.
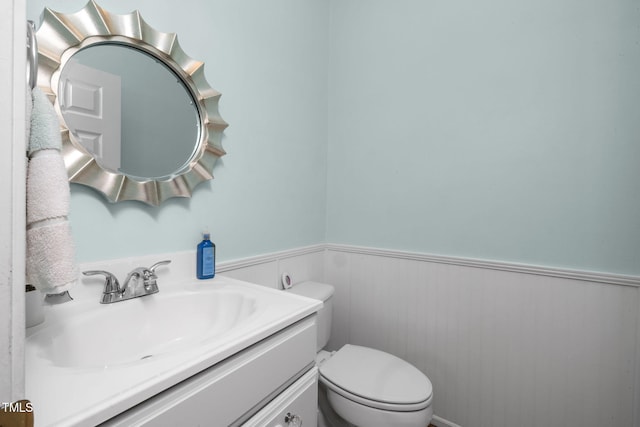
(498, 129)
(269, 61)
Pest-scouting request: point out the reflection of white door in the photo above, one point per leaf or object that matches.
(89, 101)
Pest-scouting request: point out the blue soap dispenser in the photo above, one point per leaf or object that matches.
(206, 267)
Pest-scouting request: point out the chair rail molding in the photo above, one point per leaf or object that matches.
(588, 276)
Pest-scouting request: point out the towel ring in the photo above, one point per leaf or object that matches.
(32, 55)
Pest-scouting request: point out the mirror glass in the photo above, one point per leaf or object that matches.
(129, 110)
(138, 119)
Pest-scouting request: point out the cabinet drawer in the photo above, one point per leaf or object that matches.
(233, 389)
(299, 402)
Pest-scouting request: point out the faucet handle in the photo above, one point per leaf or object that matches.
(111, 284)
(149, 276)
(158, 264)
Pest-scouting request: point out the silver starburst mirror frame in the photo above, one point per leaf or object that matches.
(61, 35)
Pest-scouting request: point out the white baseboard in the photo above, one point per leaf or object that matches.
(441, 422)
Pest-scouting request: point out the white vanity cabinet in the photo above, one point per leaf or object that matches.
(271, 383)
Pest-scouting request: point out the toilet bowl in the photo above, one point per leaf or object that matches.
(367, 387)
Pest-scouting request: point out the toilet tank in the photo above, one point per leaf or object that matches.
(324, 293)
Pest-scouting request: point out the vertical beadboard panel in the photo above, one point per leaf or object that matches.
(338, 273)
(501, 348)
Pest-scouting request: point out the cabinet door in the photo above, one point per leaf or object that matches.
(296, 406)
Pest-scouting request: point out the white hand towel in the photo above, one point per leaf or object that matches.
(51, 258)
(51, 265)
(45, 126)
(47, 187)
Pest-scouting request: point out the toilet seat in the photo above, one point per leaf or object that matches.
(374, 403)
(376, 379)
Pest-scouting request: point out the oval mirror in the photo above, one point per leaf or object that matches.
(138, 119)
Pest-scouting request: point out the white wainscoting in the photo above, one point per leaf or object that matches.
(302, 264)
(504, 345)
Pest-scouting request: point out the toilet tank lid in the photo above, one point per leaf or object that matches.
(376, 376)
(315, 290)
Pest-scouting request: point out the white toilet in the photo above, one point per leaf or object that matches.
(367, 387)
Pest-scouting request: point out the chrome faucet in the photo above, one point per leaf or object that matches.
(139, 282)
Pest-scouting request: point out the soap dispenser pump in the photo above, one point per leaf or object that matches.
(206, 264)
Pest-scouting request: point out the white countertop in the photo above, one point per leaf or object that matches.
(88, 395)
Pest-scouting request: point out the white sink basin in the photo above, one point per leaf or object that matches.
(89, 361)
(138, 329)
